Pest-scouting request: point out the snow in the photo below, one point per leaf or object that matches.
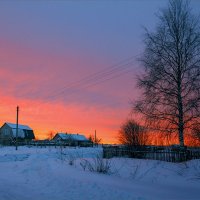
(77, 137)
(20, 133)
(64, 136)
(46, 174)
(20, 126)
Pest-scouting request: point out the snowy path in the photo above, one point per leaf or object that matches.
(39, 175)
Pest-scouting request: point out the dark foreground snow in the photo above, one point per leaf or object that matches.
(46, 174)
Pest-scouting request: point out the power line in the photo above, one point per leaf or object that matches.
(94, 76)
(107, 74)
(104, 71)
(92, 81)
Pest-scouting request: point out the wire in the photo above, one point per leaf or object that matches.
(107, 74)
(93, 84)
(89, 81)
(92, 77)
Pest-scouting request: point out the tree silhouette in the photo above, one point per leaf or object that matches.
(171, 79)
(132, 134)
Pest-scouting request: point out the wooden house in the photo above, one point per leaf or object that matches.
(8, 132)
(71, 139)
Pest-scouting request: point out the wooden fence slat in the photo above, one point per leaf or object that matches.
(165, 155)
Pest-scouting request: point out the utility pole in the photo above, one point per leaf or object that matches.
(17, 126)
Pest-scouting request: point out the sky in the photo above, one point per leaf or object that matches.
(71, 66)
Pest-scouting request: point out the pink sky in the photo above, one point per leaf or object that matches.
(102, 107)
(46, 46)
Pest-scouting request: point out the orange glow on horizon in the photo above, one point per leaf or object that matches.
(57, 116)
(45, 117)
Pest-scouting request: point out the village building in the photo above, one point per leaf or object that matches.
(8, 133)
(71, 139)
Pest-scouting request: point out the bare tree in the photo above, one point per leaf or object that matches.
(196, 134)
(171, 81)
(94, 140)
(51, 134)
(132, 134)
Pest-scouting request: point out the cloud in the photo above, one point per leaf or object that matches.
(28, 75)
(73, 118)
(30, 79)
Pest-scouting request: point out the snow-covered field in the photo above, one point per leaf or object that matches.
(63, 174)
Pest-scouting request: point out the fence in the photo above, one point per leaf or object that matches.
(164, 155)
(42, 143)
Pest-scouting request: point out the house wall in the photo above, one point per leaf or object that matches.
(70, 141)
(5, 131)
(56, 138)
(5, 134)
(28, 134)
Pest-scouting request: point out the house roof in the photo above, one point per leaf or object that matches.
(22, 133)
(63, 136)
(77, 137)
(20, 126)
(19, 134)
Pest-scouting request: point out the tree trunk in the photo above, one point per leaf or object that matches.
(180, 112)
(180, 124)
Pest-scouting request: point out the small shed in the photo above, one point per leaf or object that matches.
(8, 132)
(71, 139)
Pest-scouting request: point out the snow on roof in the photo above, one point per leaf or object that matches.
(64, 136)
(19, 134)
(77, 137)
(20, 126)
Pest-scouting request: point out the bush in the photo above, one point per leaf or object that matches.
(132, 134)
(97, 164)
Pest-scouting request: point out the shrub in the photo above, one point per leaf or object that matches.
(97, 164)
